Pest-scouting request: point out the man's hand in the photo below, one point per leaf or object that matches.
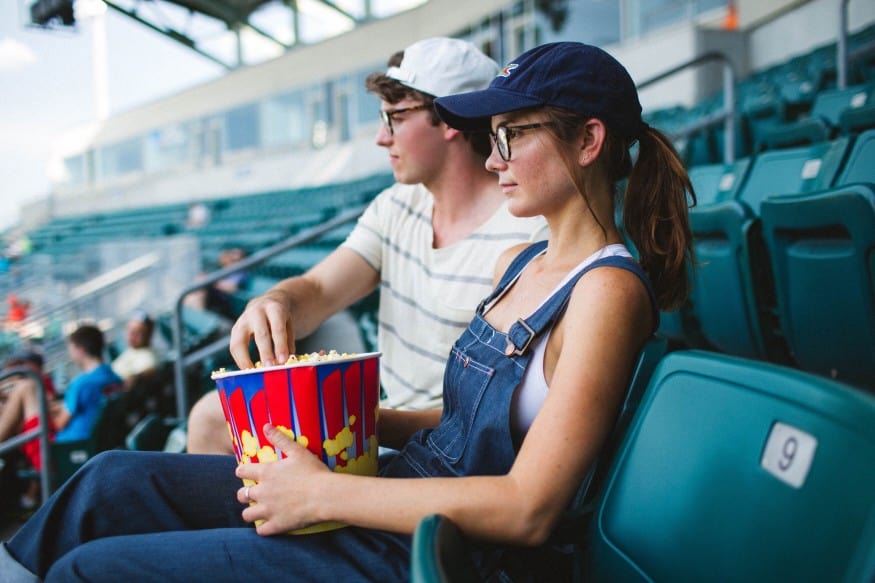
(268, 319)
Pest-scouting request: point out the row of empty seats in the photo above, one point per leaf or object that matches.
(784, 243)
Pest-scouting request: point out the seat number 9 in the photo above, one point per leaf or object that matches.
(788, 454)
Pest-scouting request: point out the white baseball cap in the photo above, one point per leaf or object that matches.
(444, 66)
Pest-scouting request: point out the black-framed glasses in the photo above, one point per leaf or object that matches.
(503, 135)
(388, 115)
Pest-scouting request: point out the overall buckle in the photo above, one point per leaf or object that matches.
(511, 345)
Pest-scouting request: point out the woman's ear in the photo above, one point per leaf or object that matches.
(592, 138)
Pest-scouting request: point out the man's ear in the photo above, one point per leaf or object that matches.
(592, 139)
(449, 133)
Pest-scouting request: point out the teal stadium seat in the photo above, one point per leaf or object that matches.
(712, 183)
(740, 471)
(824, 119)
(732, 470)
(732, 299)
(860, 166)
(821, 247)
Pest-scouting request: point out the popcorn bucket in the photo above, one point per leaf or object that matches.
(328, 406)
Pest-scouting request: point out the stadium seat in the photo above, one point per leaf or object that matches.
(151, 433)
(740, 471)
(69, 456)
(715, 183)
(732, 297)
(860, 166)
(733, 470)
(824, 119)
(821, 247)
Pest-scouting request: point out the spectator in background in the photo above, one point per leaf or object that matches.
(19, 412)
(74, 417)
(198, 215)
(218, 297)
(33, 360)
(18, 310)
(138, 357)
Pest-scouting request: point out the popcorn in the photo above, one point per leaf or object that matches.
(309, 358)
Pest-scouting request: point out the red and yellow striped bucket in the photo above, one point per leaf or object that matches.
(328, 406)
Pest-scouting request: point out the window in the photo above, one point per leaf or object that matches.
(121, 158)
(241, 128)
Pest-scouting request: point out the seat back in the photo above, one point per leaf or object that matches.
(793, 170)
(742, 471)
(715, 183)
(821, 248)
(860, 166)
(107, 433)
(831, 103)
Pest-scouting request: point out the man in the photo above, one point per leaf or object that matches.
(430, 242)
(138, 357)
(74, 417)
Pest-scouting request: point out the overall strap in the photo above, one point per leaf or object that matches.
(523, 331)
(516, 266)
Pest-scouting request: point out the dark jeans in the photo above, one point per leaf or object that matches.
(147, 516)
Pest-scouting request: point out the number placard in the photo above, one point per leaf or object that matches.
(788, 454)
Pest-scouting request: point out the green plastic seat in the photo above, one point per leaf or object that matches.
(860, 166)
(715, 183)
(108, 433)
(732, 296)
(737, 470)
(822, 251)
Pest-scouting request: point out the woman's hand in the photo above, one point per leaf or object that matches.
(284, 492)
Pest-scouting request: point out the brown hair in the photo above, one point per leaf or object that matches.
(655, 202)
(88, 338)
(392, 91)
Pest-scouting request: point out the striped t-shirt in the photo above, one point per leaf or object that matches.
(427, 295)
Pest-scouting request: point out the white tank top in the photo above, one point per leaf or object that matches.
(530, 395)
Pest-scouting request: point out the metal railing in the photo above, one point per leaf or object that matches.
(82, 301)
(182, 360)
(41, 432)
(726, 115)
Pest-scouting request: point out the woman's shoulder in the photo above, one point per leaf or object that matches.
(614, 289)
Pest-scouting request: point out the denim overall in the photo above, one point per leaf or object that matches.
(171, 517)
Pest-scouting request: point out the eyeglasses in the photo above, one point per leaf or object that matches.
(387, 115)
(503, 135)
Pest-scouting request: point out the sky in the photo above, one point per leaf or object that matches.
(51, 82)
(47, 86)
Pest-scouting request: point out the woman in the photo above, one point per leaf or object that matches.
(531, 388)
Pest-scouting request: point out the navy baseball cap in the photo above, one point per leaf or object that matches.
(567, 75)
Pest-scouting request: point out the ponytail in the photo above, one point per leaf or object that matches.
(655, 217)
(655, 203)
